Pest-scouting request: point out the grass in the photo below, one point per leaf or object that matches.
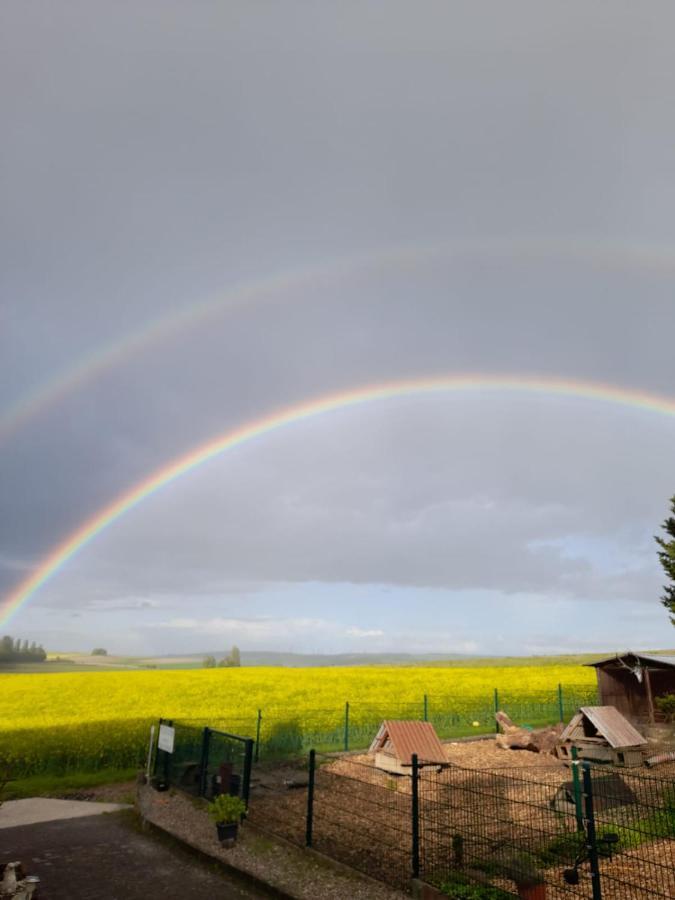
(57, 785)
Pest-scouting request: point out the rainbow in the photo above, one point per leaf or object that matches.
(312, 278)
(168, 473)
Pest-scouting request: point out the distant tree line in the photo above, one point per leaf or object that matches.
(16, 650)
(233, 658)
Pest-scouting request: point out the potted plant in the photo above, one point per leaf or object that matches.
(529, 880)
(227, 812)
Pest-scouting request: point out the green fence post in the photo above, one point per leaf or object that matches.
(346, 726)
(310, 798)
(561, 708)
(257, 736)
(204, 762)
(426, 708)
(591, 845)
(578, 808)
(415, 818)
(496, 710)
(248, 759)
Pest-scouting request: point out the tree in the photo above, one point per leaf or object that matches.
(233, 658)
(209, 662)
(667, 559)
(99, 651)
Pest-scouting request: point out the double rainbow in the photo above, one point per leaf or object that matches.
(311, 280)
(164, 476)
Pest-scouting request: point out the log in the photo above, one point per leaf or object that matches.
(517, 739)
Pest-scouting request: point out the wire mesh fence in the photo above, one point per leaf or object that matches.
(283, 733)
(583, 831)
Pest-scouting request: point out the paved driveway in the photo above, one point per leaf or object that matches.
(108, 857)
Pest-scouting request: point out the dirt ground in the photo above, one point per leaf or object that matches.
(497, 799)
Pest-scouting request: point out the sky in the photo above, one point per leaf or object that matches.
(212, 212)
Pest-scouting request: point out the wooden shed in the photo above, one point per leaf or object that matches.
(631, 681)
(602, 734)
(396, 741)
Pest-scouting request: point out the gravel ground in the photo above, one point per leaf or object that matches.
(293, 871)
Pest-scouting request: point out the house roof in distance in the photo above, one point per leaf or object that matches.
(632, 659)
(609, 723)
(407, 738)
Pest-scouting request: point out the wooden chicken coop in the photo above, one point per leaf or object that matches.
(601, 734)
(396, 741)
(631, 681)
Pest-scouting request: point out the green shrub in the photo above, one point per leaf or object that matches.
(226, 809)
(284, 739)
(460, 887)
(666, 705)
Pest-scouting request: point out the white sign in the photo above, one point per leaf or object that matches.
(166, 738)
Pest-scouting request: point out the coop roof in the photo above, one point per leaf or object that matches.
(609, 723)
(405, 738)
(632, 659)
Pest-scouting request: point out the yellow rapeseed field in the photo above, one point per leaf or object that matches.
(87, 720)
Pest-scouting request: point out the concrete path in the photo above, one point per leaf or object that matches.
(109, 858)
(47, 809)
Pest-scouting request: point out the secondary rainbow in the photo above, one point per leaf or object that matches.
(76, 541)
(310, 280)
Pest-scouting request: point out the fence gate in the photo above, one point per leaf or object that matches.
(205, 762)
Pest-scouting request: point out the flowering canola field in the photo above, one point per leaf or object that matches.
(87, 720)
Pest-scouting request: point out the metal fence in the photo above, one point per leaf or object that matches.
(584, 832)
(279, 734)
(588, 832)
(206, 762)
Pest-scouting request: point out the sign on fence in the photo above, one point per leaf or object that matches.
(166, 738)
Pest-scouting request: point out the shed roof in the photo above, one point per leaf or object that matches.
(408, 738)
(645, 658)
(610, 724)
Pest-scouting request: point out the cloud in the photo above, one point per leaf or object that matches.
(364, 632)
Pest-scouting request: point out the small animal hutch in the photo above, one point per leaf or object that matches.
(631, 681)
(601, 734)
(396, 741)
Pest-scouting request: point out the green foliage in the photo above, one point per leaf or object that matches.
(285, 739)
(563, 849)
(56, 785)
(209, 662)
(460, 887)
(666, 705)
(226, 809)
(523, 868)
(99, 651)
(667, 559)
(233, 659)
(18, 651)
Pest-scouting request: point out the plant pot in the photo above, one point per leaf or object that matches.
(532, 891)
(227, 831)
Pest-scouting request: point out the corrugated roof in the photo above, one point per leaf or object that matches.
(610, 724)
(408, 738)
(643, 657)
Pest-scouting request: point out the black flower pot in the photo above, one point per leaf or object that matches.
(227, 831)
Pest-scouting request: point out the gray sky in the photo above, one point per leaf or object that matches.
(424, 189)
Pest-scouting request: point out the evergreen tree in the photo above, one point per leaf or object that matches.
(667, 559)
